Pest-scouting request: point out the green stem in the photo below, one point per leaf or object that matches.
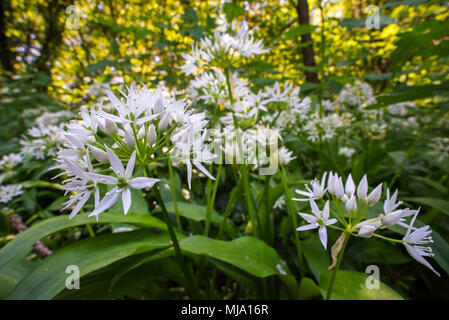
(173, 193)
(210, 203)
(292, 211)
(337, 266)
(174, 240)
(229, 206)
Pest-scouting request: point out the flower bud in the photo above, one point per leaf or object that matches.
(362, 190)
(159, 106)
(339, 190)
(151, 135)
(141, 132)
(110, 127)
(351, 204)
(164, 122)
(99, 154)
(330, 184)
(129, 139)
(374, 196)
(367, 231)
(350, 186)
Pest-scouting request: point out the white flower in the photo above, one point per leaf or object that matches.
(413, 242)
(285, 156)
(7, 192)
(122, 183)
(194, 60)
(317, 192)
(82, 185)
(279, 204)
(319, 220)
(10, 161)
(392, 216)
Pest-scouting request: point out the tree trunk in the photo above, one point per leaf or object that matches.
(302, 9)
(6, 56)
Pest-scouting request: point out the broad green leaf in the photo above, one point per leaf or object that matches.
(351, 285)
(439, 204)
(24, 241)
(49, 277)
(308, 289)
(247, 253)
(197, 212)
(316, 256)
(12, 273)
(376, 251)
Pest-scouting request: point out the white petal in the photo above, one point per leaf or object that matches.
(80, 204)
(322, 232)
(126, 200)
(308, 217)
(314, 208)
(108, 200)
(203, 170)
(142, 182)
(104, 179)
(325, 213)
(130, 166)
(115, 162)
(307, 227)
(189, 173)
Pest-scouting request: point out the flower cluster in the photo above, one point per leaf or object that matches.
(42, 141)
(244, 108)
(7, 192)
(222, 50)
(116, 150)
(350, 205)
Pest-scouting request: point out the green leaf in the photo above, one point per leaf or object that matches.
(12, 273)
(24, 241)
(247, 253)
(308, 289)
(299, 31)
(49, 277)
(233, 11)
(378, 76)
(197, 212)
(439, 204)
(350, 285)
(316, 256)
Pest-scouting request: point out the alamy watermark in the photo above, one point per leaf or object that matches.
(72, 282)
(373, 20)
(73, 20)
(372, 282)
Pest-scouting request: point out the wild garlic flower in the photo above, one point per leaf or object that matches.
(414, 240)
(285, 156)
(222, 50)
(439, 148)
(116, 150)
(319, 219)
(350, 205)
(9, 191)
(316, 192)
(11, 160)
